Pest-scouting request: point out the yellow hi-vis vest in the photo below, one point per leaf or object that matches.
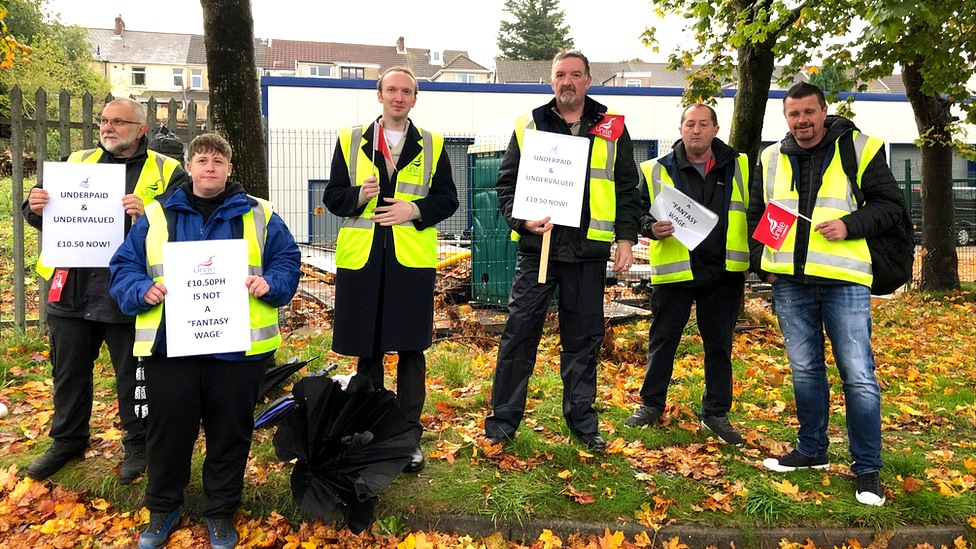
(153, 179)
(848, 260)
(670, 259)
(603, 193)
(265, 335)
(414, 248)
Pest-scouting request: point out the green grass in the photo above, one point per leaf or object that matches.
(923, 346)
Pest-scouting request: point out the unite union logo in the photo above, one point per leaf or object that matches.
(206, 267)
(554, 150)
(776, 228)
(84, 183)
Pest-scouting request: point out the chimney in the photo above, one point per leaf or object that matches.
(400, 47)
(119, 27)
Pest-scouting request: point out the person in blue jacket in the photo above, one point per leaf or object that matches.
(220, 390)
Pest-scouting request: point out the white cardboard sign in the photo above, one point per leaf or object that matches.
(692, 222)
(206, 298)
(84, 219)
(551, 177)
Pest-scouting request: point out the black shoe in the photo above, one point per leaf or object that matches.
(592, 441)
(795, 460)
(720, 427)
(869, 489)
(133, 466)
(645, 415)
(161, 526)
(417, 461)
(222, 532)
(52, 461)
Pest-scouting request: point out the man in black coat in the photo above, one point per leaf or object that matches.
(577, 260)
(83, 315)
(392, 183)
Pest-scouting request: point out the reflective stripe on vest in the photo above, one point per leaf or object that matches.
(847, 260)
(265, 335)
(414, 248)
(670, 260)
(603, 192)
(147, 186)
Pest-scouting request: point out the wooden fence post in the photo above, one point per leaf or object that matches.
(64, 123)
(87, 121)
(40, 133)
(17, 190)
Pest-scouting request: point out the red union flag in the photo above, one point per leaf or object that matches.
(379, 144)
(611, 127)
(775, 224)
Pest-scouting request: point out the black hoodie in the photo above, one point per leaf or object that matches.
(883, 199)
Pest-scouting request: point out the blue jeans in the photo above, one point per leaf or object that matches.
(804, 312)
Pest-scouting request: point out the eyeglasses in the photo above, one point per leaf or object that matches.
(114, 121)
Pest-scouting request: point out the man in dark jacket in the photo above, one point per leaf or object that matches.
(711, 276)
(577, 260)
(82, 315)
(821, 277)
(392, 183)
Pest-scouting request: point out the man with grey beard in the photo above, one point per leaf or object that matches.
(81, 313)
(577, 258)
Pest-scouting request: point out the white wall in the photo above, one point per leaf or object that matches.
(466, 109)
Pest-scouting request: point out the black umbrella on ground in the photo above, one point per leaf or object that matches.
(350, 444)
(275, 375)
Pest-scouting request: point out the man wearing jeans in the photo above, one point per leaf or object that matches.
(821, 277)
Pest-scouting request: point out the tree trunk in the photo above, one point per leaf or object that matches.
(940, 264)
(235, 102)
(748, 111)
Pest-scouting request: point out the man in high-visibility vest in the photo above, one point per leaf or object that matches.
(711, 276)
(81, 313)
(392, 183)
(821, 276)
(217, 390)
(577, 259)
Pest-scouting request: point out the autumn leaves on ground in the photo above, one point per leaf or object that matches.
(671, 473)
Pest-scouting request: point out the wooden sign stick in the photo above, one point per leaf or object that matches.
(544, 258)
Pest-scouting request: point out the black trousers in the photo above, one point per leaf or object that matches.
(182, 393)
(581, 332)
(717, 307)
(411, 375)
(75, 344)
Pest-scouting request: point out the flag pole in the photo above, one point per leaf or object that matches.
(544, 258)
(375, 144)
(791, 210)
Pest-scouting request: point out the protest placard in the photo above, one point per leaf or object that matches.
(206, 298)
(550, 183)
(691, 221)
(551, 178)
(84, 218)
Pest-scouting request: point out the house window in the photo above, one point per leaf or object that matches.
(633, 83)
(466, 78)
(177, 78)
(354, 73)
(138, 76)
(322, 71)
(435, 57)
(196, 79)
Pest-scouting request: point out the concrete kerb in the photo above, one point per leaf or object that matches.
(695, 537)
